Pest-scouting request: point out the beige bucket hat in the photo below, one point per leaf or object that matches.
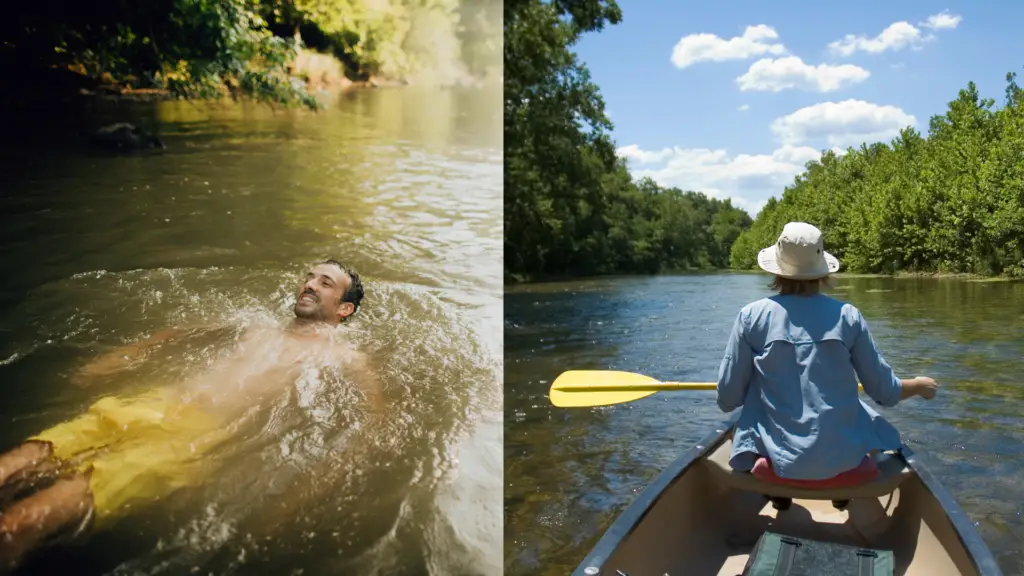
(799, 254)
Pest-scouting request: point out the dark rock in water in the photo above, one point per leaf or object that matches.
(124, 136)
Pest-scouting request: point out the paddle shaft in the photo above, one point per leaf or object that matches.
(652, 387)
(581, 388)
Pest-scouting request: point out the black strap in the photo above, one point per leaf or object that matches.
(866, 562)
(786, 553)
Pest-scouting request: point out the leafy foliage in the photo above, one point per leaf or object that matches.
(210, 48)
(194, 48)
(571, 207)
(951, 202)
(391, 38)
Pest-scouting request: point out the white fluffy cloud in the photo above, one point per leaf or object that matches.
(744, 108)
(747, 179)
(896, 36)
(635, 153)
(775, 75)
(750, 179)
(846, 123)
(942, 21)
(755, 41)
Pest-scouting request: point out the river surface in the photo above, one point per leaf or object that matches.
(214, 233)
(569, 473)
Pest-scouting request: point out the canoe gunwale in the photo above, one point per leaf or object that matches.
(969, 536)
(631, 517)
(645, 502)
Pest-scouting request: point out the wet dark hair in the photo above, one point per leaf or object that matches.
(799, 287)
(355, 292)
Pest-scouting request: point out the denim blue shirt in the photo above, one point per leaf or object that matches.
(792, 363)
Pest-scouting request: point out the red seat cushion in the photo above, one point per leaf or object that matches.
(865, 472)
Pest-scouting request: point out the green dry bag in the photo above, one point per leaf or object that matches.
(778, 555)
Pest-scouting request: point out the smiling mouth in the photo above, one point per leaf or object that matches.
(307, 297)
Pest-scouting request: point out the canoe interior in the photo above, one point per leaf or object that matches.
(701, 525)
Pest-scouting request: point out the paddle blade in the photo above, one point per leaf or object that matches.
(580, 388)
(600, 379)
(569, 399)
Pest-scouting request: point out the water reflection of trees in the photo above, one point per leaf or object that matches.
(964, 333)
(391, 184)
(207, 201)
(971, 310)
(567, 472)
(439, 118)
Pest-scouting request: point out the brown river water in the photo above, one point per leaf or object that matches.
(215, 232)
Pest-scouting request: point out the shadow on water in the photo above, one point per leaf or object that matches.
(569, 473)
(405, 187)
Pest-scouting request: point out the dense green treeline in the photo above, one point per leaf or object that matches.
(210, 48)
(571, 207)
(951, 202)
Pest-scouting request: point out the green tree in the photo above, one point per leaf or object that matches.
(194, 48)
(213, 48)
(948, 202)
(571, 207)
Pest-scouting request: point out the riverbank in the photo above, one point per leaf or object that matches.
(270, 52)
(315, 73)
(512, 279)
(933, 275)
(516, 280)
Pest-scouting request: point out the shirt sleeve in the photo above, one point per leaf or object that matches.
(736, 369)
(878, 379)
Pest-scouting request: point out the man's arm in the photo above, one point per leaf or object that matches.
(123, 356)
(120, 358)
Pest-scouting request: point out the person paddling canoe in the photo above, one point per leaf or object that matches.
(123, 451)
(792, 363)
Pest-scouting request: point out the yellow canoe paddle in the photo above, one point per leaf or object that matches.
(581, 388)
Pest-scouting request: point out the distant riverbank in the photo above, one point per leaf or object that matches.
(936, 275)
(311, 72)
(519, 281)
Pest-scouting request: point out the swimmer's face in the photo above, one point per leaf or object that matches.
(319, 297)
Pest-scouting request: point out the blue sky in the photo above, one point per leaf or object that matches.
(733, 97)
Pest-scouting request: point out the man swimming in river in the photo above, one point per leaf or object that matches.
(57, 484)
